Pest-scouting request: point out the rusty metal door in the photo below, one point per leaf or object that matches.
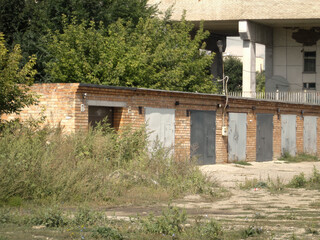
(288, 134)
(237, 137)
(264, 137)
(310, 134)
(160, 125)
(203, 136)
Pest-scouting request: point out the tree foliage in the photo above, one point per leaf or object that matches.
(261, 81)
(233, 69)
(24, 22)
(14, 97)
(153, 54)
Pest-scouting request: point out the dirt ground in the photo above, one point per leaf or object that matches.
(285, 215)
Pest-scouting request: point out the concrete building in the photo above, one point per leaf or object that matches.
(290, 31)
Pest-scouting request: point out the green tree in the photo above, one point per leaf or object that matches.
(14, 79)
(233, 69)
(24, 22)
(261, 81)
(153, 54)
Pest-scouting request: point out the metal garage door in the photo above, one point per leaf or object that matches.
(310, 134)
(237, 137)
(203, 136)
(264, 140)
(160, 123)
(288, 134)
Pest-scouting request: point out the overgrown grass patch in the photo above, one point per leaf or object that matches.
(243, 163)
(274, 186)
(43, 164)
(300, 181)
(302, 157)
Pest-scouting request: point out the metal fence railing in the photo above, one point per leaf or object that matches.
(292, 97)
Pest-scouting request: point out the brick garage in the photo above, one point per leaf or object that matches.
(67, 105)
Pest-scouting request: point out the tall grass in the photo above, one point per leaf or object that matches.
(97, 165)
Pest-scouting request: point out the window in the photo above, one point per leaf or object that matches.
(309, 86)
(310, 62)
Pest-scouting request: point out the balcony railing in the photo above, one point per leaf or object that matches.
(292, 97)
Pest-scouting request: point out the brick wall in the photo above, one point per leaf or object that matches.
(63, 102)
(56, 102)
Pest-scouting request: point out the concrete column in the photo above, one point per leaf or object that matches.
(252, 33)
(249, 69)
(269, 65)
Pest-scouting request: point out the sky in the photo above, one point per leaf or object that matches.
(234, 47)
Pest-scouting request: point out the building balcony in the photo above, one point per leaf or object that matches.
(301, 97)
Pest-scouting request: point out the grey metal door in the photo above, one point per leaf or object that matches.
(310, 134)
(264, 138)
(288, 134)
(237, 137)
(203, 136)
(160, 124)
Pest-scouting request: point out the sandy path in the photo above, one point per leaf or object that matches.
(231, 174)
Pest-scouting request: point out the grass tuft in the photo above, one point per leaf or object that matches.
(303, 157)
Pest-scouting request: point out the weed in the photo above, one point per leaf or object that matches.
(107, 233)
(314, 181)
(251, 183)
(293, 237)
(244, 163)
(169, 223)
(258, 215)
(43, 163)
(313, 231)
(14, 201)
(3, 238)
(85, 216)
(315, 204)
(275, 186)
(51, 217)
(210, 230)
(298, 181)
(251, 231)
(5, 216)
(303, 157)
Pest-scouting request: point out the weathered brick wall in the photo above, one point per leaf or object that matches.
(299, 136)
(251, 137)
(276, 136)
(63, 102)
(56, 102)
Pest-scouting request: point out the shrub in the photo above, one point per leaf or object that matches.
(51, 217)
(107, 233)
(251, 231)
(211, 230)
(85, 216)
(298, 181)
(169, 223)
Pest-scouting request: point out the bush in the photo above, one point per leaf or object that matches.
(211, 230)
(298, 181)
(51, 217)
(107, 233)
(169, 223)
(85, 216)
